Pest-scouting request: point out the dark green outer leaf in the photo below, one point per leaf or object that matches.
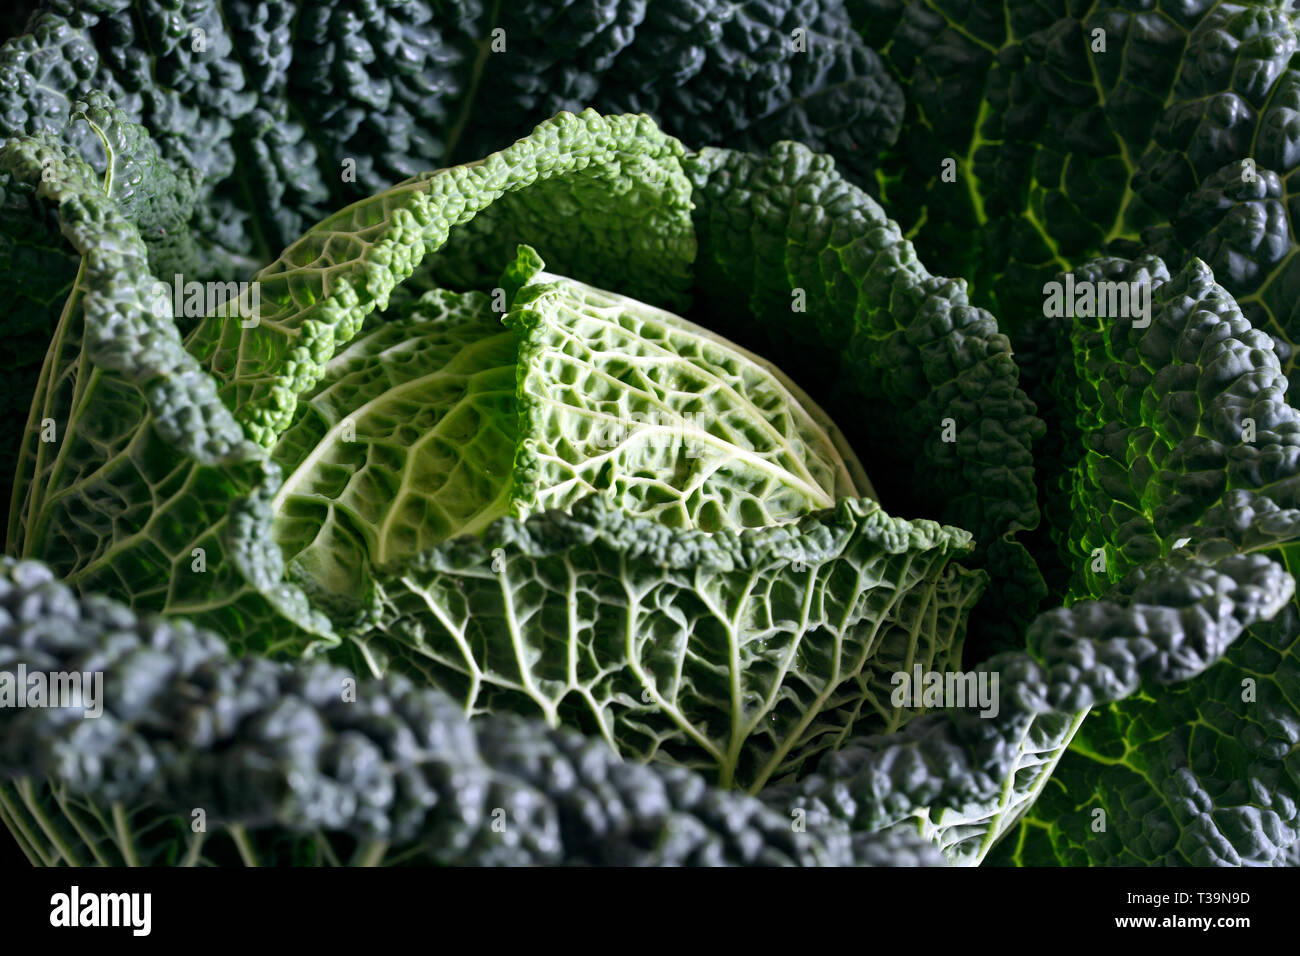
(910, 357)
(1163, 624)
(1187, 442)
(271, 749)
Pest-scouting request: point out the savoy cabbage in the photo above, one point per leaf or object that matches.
(493, 430)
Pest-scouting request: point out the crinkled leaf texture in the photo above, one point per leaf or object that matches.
(38, 269)
(839, 293)
(666, 418)
(518, 615)
(1187, 443)
(153, 493)
(773, 633)
(745, 654)
(438, 421)
(266, 101)
(1108, 127)
(283, 112)
(289, 771)
(785, 634)
(947, 773)
(147, 479)
(1175, 136)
